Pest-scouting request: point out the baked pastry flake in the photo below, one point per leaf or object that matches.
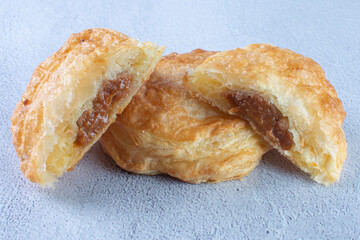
(73, 96)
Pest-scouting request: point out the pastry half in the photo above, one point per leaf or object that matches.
(285, 97)
(73, 96)
(166, 130)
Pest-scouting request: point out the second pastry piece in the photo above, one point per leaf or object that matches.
(286, 98)
(165, 130)
(74, 96)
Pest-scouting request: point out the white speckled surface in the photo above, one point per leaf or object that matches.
(100, 201)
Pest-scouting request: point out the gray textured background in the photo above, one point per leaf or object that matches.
(98, 200)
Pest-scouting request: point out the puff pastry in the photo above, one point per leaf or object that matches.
(166, 130)
(73, 96)
(285, 97)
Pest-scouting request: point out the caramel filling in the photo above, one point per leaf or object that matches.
(264, 116)
(93, 121)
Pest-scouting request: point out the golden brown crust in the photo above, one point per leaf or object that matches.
(298, 88)
(258, 60)
(166, 130)
(62, 88)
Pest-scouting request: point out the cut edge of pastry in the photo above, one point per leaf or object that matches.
(323, 162)
(86, 70)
